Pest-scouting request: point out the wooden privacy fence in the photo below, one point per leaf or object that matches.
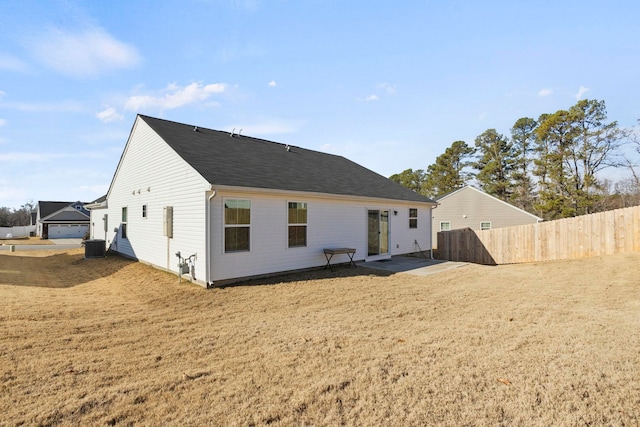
(603, 233)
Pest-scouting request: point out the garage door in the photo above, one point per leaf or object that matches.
(67, 231)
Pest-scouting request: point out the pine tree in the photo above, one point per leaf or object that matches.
(448, 172)
(523, 138)
(495, 164)
(572, 146)
(411, 179)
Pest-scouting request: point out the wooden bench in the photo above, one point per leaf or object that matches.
(330, 252)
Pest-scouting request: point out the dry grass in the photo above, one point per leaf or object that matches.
(112, 342)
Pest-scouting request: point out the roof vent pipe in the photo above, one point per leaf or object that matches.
(232, 132)
(195, 128)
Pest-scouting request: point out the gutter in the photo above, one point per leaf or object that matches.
(316, 195)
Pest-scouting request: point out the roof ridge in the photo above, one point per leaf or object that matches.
(237, 135)
(224, 160)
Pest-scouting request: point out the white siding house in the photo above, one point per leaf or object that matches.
(249, 207)
(469, 207)
(58, 220)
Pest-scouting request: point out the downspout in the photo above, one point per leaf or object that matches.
(431, 234)
(209, 282)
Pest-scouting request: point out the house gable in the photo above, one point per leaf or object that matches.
(469, 207)
(149, 177)
(47, 210)
(466, 194)
(67, 215)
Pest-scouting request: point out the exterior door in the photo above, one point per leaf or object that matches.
(378, 232)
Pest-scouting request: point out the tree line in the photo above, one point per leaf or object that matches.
(548, 166)
(17, 217)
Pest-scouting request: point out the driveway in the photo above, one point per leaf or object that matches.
(413, 265)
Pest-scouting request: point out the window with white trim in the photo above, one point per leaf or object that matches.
(485, 225)
(413, 217)
(445, 225)
(237, 225)
(144, 211)
(297, 224)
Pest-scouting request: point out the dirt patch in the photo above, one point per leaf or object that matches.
(110, 341)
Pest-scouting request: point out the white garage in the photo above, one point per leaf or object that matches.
(62, 220)
(67, 231)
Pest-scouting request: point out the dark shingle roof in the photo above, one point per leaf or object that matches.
(47, 208)
(69, 216)
(99, 199)
(256, 163)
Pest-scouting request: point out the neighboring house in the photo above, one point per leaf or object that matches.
(57, 220)
(469, 207)
(249, 207)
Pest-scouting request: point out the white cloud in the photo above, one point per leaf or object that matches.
(272, 83)
(581, 92)
(174, 96)
(109, 115)
(2, 93)
(545, 92)
(3, 122)
(83, 54)
(387, 87)
(11, 63)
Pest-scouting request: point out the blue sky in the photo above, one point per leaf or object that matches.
(389, 85)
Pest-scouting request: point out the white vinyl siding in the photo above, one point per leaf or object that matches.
(151, 173)
(330, 223)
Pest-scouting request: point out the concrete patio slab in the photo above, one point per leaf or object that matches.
(413, 265)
